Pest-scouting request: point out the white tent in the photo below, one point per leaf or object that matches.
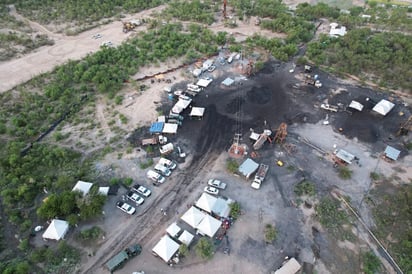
(356, 105)
(56, 230)
(197, 111)
(206, 202)
(209, 226)
(181, 105)
(186, 238)
(170, 128)
(83, 187)
(104, 190)
(204, 82)
(173, 229)
(193, 216)
(383, 107)
(291, 267)
(166, 248)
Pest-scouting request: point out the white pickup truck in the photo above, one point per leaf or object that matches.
(260, 176)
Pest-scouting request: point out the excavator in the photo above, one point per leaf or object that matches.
(130, 25)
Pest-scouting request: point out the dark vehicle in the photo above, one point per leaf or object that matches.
(122, 257)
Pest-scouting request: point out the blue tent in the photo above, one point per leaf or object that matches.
(156, 127)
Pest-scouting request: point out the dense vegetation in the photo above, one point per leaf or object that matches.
(196, 11)
(17, 37)
(393, 217)
(49, 11)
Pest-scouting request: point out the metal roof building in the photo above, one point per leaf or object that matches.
(392, 153)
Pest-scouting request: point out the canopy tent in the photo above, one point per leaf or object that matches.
(193, 216)
(180, 105)
(166, 248)
(383, 107)
(209, 226)
(104, 190)
(186, 238)
(170, 128)
(228, 82)
(56, 230)
(173, 229)
(206, 202)
(392, 153)
(83, 187)
(204, 82)
(291, 267)
(221, 207)
(197, 111)
(248, 167)
(156, 127)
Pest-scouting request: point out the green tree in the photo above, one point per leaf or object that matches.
(235, 210)
(270, 233)
(183, 250)
(204, 248)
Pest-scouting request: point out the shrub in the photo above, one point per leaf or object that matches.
(128, 182)
(371, 263)
(374, 176)
(232, 166)
(204, 248)
(305, 188)
(234, 210)
(183, 250)
(345, 173)
(146, 164)
(90, 234)
(270, 233)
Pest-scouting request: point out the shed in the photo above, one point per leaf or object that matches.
(383, 107)
(83, 187)
(193, 216)
(166, 248)
(170, 128)
(156, 127)
(197, 112)
(254, 136)
(356, 105)
(392, 153)
(228, 82)
(336, 31)
(186, 238)
(204, 82)
(206, 202)
(173, 229)
(248, 167)
(345, 156)
(104, 190)
(56, 230)
(209, 226)
(221, 207)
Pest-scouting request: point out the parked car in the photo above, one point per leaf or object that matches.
(167, 163)
(216, 183)
(125, 207)
(211, 190)
(97, 36)
(107, 44)
(133, 196)
(142, 190)
(162, 170)
(211, 68)
(155, 177)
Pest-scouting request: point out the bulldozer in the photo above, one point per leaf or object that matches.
(130, 25)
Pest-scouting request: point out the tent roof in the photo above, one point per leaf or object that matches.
(193, 216)
(221, 207)
(383, 107)
(156, 127)
(186, 238)
(209, 226)
(248, 167)
(197, 111)
(173, 229)
(392, 153)
(204, 82)
(170, 128)
(104, 190)
(228, 81)
(356, 105)
(183, 103)
(83, 187)
(166, 248)
(291, 267)
(56, 230)
(206, 202)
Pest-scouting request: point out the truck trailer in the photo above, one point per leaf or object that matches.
(122, 257)
(260, 176)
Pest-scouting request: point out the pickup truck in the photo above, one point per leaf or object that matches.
(155, 140)
(260, 176)
(166, 149)
(122, 257)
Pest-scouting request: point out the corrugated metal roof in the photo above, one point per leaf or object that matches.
(392, 153)
(345, 156)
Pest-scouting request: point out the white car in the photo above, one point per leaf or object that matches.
(216, 183)
(107, 44)
(142, 190)
(155, 177)
(211, 190)
(125, 207)
(133, 196)
(97, 36)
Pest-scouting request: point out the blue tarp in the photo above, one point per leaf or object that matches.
(156, 127)
(228, 82)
